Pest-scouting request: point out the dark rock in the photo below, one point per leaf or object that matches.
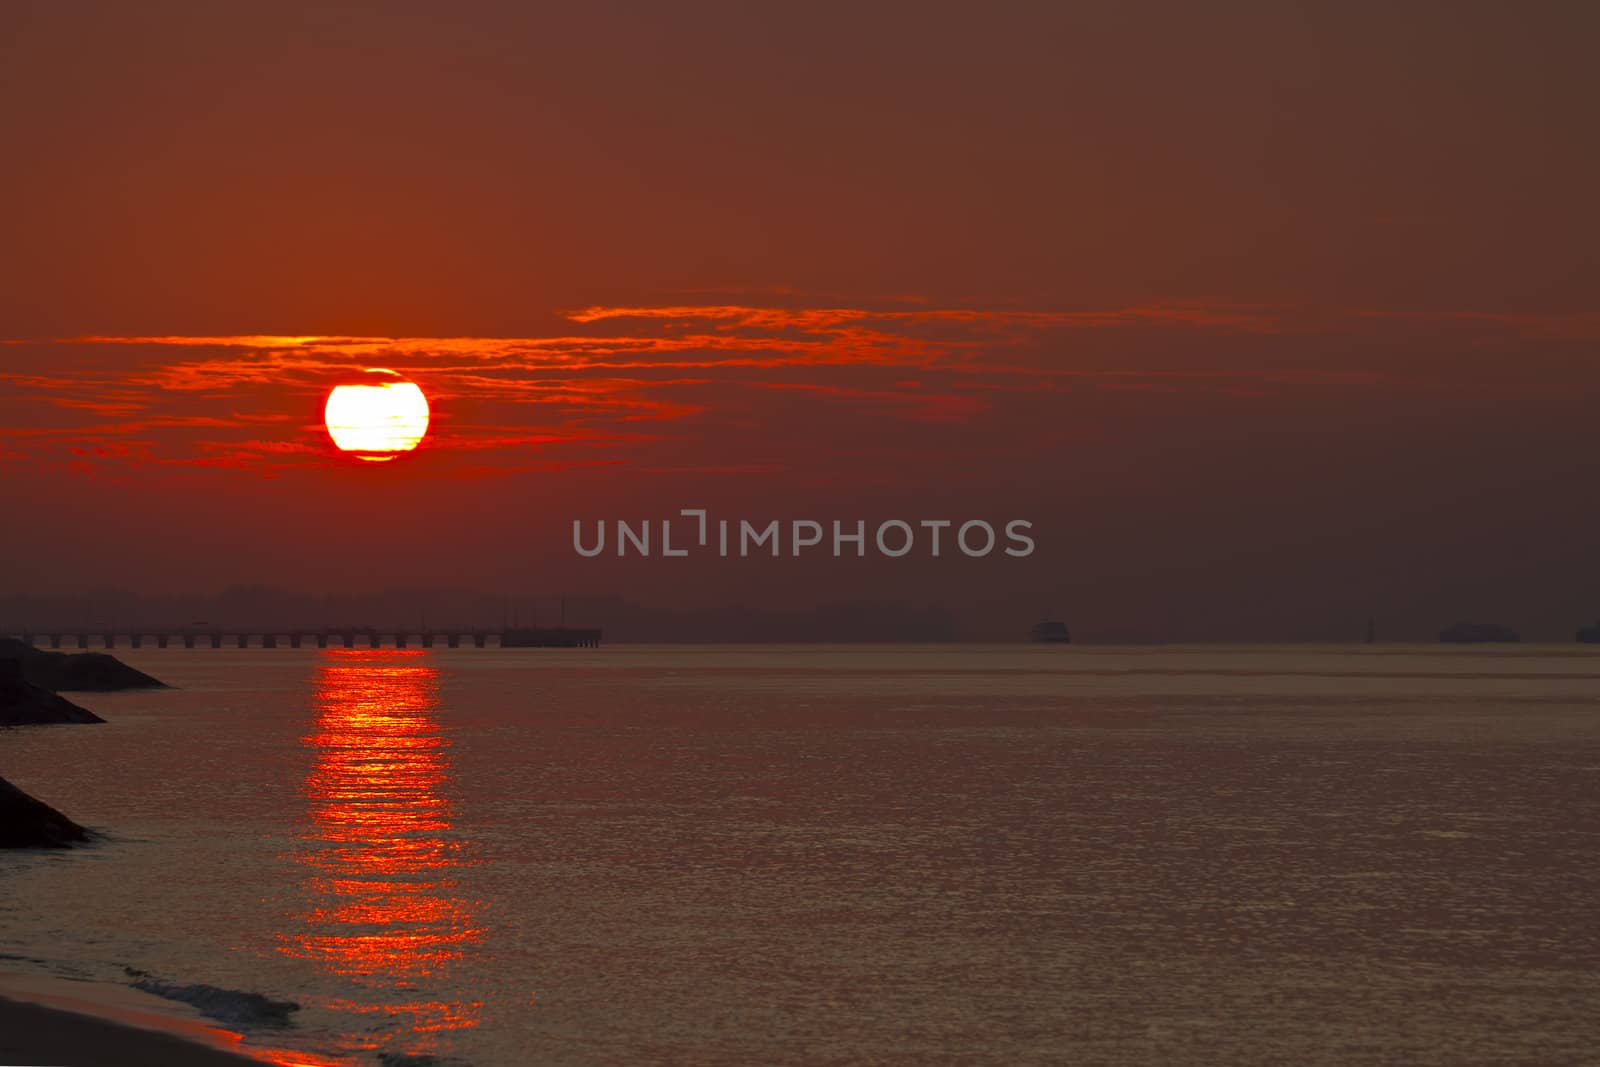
(29, 823)
(75, 672)
(24, 704)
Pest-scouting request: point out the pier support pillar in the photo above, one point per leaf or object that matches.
(478, 640)
(269, 640)
(161, 640)
(294, 640)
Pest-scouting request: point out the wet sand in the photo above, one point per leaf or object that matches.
(74, 1023)
(35, 1034)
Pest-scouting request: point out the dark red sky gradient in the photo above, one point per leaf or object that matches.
(1269, 316)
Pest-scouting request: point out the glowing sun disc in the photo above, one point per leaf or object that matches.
(378, 417)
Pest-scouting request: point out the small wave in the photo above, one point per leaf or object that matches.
(22, 959)
(230, 1006)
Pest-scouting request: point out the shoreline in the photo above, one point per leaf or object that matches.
(65, 1024)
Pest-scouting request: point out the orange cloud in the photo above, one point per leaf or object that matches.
(583, 395)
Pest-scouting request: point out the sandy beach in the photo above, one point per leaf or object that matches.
(35, 1034)
(45, 1021)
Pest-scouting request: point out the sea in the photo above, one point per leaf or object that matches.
(744, 855)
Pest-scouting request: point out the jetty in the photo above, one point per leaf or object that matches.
(304, 636)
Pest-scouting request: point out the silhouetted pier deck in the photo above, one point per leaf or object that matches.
(299, 636)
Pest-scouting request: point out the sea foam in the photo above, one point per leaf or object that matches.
(231, 1006)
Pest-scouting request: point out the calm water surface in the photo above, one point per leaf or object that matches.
(912, 855)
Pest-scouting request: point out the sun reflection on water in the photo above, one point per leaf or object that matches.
(384, 908)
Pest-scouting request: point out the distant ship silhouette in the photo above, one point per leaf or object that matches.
(1463, 633)
(1051, 632)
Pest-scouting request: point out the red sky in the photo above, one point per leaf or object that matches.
(1269, 316)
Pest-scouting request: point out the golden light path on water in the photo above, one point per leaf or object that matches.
(384, 910)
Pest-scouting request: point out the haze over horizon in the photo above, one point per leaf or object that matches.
(444, 610)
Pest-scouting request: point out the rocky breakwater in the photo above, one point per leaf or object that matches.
(29, 680)
(24, 821)
(29, 823)
(80, 672)
(24, 704)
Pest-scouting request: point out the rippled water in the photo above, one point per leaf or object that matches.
(814, 855)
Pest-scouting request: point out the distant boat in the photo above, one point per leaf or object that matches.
(1589, 635)
(1051, 633)
(1466, 633)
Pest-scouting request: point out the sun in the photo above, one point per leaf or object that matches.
(377, 417)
